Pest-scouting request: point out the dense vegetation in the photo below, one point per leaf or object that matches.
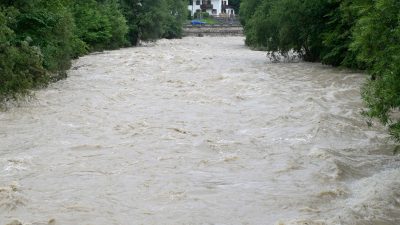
(235, 5)
(359, 34)
(38, 38)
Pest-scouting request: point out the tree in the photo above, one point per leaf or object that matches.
(21, 64)
(145, 19)
(377, 41)
(153, 19)
(235, 5)
(360, 34)
(100, 25)
(282, 26)
(247, 10)
(175, 18)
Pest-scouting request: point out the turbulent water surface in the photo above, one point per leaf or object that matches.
(196, 131)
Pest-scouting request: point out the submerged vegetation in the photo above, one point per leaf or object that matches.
(38, 38)
(359, 34)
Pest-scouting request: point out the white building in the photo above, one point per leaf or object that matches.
(213, 7)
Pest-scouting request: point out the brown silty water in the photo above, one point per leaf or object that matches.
(197, 131)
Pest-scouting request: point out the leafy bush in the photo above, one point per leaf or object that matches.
(286, 25)
(118, 23)
(48, 25)
(235, 5)
(38, 38)
(20, 64)
(175, 19)
(337, 36)
(99, 25)
(197, 15)
(377, 42)
(360, 34)
(131, 10)
(145, 19)
(150, 20)
(247, 10)
(205, 15)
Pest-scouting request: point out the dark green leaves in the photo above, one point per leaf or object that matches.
(360, 34)
(38, 38)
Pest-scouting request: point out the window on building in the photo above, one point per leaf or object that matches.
(198, 2)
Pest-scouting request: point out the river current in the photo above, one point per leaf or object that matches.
(200, 130)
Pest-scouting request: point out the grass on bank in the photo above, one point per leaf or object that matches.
(209, 21)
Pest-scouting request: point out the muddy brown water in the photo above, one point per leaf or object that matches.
(197, 131)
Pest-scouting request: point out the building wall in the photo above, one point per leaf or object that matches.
(194, 7)
(217, 5)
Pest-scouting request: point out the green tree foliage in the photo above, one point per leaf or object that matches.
(100, 25)
(38, 38)
(360, 34)
(337, 35)
(47, 25)
(153, 19)
(247, 10)
(21, 65)
(177, 15)
(132, 10)
(286, 25)
(235, 5)
(377, 41)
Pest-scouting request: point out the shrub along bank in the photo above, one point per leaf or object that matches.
(38, 38)
(359, 34)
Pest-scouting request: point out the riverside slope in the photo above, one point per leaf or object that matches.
(197, 131)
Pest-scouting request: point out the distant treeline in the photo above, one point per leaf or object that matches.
(359, 34)
(38, 38)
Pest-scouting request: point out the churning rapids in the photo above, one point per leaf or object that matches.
(197, 131)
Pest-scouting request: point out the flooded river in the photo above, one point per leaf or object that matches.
(197, 131)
